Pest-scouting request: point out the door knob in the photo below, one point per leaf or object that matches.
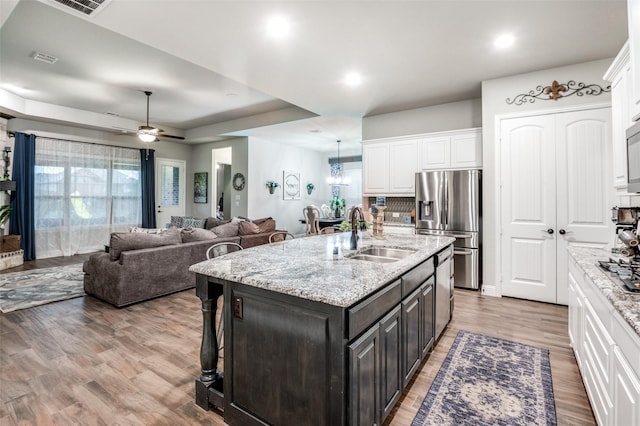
(562, 232)
(550, 231)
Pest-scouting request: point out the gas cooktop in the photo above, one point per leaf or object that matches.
(626, 273)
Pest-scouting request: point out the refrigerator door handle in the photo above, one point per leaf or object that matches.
(463, 252)
(445, 204)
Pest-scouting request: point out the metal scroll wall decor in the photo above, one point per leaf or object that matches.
(556, 91)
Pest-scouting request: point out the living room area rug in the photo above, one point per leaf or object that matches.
(489, 381)
(26, 289)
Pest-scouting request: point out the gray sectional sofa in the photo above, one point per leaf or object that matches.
(141, 266)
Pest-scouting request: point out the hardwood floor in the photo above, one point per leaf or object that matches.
(48, 263)
(83, 362)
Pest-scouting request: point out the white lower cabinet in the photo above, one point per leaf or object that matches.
(626, 392)
(606, 350)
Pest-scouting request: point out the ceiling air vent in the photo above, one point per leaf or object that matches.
(85, 7)
(43, 57)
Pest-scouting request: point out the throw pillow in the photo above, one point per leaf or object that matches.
(193, 222)
(124, 241)
(197, 234)
(147, 230)
(227, 230)
(212, 222)
(266, 224)
(177, 221)
(248, 228)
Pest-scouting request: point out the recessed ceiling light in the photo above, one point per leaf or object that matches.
(503, 41)
(353, 79)
(278, 26)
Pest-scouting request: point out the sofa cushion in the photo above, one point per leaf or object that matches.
(259, 226)
(227, 230)
(124, 241)
(197, 234)
(212, 222)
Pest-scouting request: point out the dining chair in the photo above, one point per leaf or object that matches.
(330, 230)
(218, 250)
(279, 236)
(326, 210)
(312, 220)
(222, 248)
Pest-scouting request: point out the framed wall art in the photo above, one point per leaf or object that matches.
(200, 187)
(291, 185)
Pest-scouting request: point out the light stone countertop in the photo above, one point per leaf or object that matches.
(307, 267)
(627, 305)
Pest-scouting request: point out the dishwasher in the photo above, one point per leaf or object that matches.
(444, 290)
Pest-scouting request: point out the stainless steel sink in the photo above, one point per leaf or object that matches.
(382, 254)
(395, 253)
(376, 259)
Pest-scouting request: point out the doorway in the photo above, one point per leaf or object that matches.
(170, 190)
(221, 162)
(556, 192)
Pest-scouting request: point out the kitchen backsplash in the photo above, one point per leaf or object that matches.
(398, 210)
(628, 200)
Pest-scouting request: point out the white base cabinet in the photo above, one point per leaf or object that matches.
(607, 352)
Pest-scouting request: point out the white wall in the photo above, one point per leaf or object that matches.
(201, 161)
(451, 116)
(494, 95)
(267, 161)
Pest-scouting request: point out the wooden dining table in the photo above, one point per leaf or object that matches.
(326, 222)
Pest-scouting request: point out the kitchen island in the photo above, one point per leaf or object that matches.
(317, 333)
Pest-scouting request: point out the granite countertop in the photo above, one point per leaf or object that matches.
(627, 305)
(307, 267)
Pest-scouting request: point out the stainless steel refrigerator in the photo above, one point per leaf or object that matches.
(449, 202)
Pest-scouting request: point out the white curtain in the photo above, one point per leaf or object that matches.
(83, 192)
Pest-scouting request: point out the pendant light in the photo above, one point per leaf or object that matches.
(336, 177)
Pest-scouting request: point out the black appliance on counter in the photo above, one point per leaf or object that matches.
(625, 273)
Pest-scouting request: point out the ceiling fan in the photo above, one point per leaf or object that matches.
(150, 134)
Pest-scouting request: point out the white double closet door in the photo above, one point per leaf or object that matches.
(556, 191)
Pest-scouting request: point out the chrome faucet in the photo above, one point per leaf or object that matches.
(354, 226)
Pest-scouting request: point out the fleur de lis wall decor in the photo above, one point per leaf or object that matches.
(556, 91)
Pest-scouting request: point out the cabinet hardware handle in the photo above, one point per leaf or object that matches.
(550, 231)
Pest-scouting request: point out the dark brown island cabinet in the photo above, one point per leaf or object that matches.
(289, 360)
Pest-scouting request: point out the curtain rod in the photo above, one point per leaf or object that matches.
(12, 134)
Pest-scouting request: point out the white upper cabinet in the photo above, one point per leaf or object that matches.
(435, 152)
(634, 50)
(621, 78)
(451, 150)
(375, 168)
(466, 150)
(389, 165)
(403, 164)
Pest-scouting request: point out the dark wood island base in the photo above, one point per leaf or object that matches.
(290, 359)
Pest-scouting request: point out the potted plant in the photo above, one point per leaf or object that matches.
(310, 188)
(337, 205)
(272, 186)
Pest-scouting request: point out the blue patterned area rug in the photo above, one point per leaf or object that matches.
(489, 381)
(26, 289)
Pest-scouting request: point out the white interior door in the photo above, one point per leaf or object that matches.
(556, 192)
(528, 208)
(170, 190)
(585, 193)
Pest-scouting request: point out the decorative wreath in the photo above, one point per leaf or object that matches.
(238, 182)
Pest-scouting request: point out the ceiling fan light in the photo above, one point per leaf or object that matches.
(146, 137)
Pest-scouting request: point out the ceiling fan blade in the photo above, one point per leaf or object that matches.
(163, 135)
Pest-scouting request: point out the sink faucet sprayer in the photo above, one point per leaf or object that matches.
(354, 226)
